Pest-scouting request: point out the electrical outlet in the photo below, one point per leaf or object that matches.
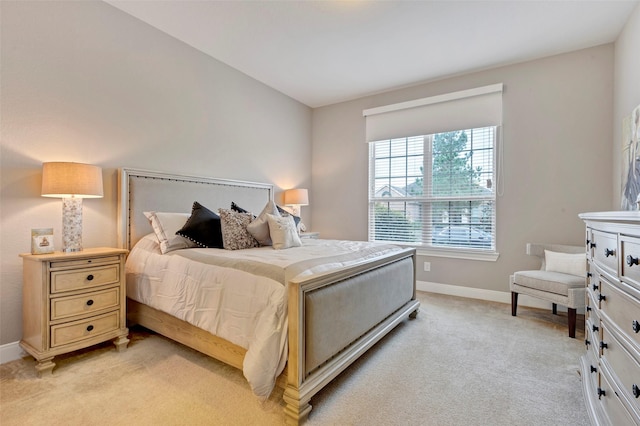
(427, 266)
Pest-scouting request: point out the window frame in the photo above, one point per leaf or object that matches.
(424, 248)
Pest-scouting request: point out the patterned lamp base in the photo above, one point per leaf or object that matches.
(71, 224)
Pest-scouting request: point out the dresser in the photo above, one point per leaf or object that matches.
(610, 366)
(71, 301)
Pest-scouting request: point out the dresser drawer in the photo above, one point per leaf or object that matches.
(80, 330)
(621, 309)
(77, 279)
(617, 413)
(84, 304)
(630, 260)
(605, 251)
(627, 369)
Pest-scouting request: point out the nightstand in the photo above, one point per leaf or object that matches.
(71, 301)
(313, 235)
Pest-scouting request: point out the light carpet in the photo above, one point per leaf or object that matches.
(460, 362)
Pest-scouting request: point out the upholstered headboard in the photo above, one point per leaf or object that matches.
(143, 190)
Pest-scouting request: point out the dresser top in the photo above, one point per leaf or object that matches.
(613, 216)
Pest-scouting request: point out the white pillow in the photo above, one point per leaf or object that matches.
(259, 227)
(165, 225)
(567, 263)
(283, 232)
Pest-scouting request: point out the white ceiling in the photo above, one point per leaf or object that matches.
(323, 52)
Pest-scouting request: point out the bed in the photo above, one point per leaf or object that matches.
(331, 315)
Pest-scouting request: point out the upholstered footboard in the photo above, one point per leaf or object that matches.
(335, 319)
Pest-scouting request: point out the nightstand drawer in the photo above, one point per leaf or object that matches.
(77, 279)
(80, 330)
(84, 304)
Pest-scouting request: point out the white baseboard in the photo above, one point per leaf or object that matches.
(11, 352)
(483, 294)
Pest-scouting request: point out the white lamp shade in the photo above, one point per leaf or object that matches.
(63, 180)
(296, 197)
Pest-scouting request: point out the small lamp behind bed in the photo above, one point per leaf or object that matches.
(296, 198)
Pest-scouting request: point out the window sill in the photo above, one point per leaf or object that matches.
(485, 256)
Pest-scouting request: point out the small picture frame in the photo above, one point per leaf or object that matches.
(42, 241)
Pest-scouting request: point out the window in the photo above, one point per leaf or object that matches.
(434, 190)
(430, 186)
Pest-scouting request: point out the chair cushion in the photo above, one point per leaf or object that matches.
(552, 282)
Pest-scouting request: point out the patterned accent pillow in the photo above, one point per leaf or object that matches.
(283, 212)
(259, 227)
(283, 232)
(165, 225)
(203, 227)
(234, 230)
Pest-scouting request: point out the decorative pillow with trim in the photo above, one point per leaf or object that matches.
(567, 263)
(259, 227)
(234, 230)
(203, 227)
(165, 225)
(284, 233)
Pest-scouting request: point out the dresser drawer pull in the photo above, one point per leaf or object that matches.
(90, 302)
(632, 260)
(636, 326)
(602, 297)
(595, 287)
(592, 245)
(594, 369)
(89, 328)
(89, 277)
(636, 390)
(588, 308)
(609, 252)
(603, 345)
(587, 342)
(601, 393)
(589, 274)
(595, 328)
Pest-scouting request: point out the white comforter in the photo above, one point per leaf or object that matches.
(238, 295)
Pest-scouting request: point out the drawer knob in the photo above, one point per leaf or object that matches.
(636, 390)
(89, 328)
(595, 328)
(632, 260)
(588, 308)
(592, 245)
(595, 370)
(589, 274)
(587, 342)
(595, 287)
(636, 326)
(602, 297)
(601, 393)
(89, 277)
(609, 252)
(603, 345)
(90, 302)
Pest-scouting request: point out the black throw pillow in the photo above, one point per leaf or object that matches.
(203, 227)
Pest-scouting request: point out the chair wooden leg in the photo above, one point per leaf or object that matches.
(572, 322)
(554, 309)
(514, 303)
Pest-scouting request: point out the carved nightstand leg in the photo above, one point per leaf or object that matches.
(44, 367)
(121, 343)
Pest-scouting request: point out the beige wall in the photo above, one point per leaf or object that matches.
(557, 160)
(85, 82)
(626, 91)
